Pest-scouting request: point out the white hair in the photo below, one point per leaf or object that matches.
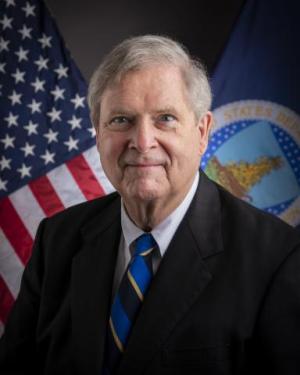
(137, 52)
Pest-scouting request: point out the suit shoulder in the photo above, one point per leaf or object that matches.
(62, 233)
(82, 212)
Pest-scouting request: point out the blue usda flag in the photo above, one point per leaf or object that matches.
(255, 144)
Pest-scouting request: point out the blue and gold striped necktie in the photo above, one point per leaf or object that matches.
(128, 299)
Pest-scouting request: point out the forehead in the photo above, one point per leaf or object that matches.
(153, 84)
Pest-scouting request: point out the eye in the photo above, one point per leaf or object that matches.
(119, 120)
(119, 123)
(167, 120)
(166, 117)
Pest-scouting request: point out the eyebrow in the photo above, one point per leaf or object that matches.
(120, 111)
(167, 110)
(125, 112)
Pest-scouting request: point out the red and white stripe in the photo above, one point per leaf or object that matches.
(78, 180)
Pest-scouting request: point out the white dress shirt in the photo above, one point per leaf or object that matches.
(162, 233)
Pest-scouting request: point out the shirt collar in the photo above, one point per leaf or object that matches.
(164, 231)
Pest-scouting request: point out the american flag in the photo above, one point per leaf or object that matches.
(48, 157)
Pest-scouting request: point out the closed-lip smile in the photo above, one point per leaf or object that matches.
(143, 165)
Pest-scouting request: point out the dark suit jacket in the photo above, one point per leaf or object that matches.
(225, 300)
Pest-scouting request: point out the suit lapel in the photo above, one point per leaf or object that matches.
(91, 286)
(180, 280)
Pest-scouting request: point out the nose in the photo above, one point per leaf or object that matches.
(143, 136)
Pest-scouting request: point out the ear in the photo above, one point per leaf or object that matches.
(204, 126)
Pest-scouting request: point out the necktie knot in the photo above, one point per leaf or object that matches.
(144, 244)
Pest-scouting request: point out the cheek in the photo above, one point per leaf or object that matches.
(180, 150)
(187, 153)
(108, 156)
(109, 148)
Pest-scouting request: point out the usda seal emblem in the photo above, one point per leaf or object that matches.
(254, 153)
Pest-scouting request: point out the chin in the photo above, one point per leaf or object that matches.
(144, 191)
(145, 196)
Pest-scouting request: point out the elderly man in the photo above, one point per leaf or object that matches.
(170, 274)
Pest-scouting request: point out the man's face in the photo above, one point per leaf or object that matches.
(148, 138)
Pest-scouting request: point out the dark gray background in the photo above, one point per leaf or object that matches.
(91, 27)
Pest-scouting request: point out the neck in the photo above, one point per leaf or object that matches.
(148, 214)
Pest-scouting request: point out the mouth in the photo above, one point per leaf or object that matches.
(142, 169)
(142, 165)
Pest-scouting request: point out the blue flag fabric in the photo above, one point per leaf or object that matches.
(254, 150)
